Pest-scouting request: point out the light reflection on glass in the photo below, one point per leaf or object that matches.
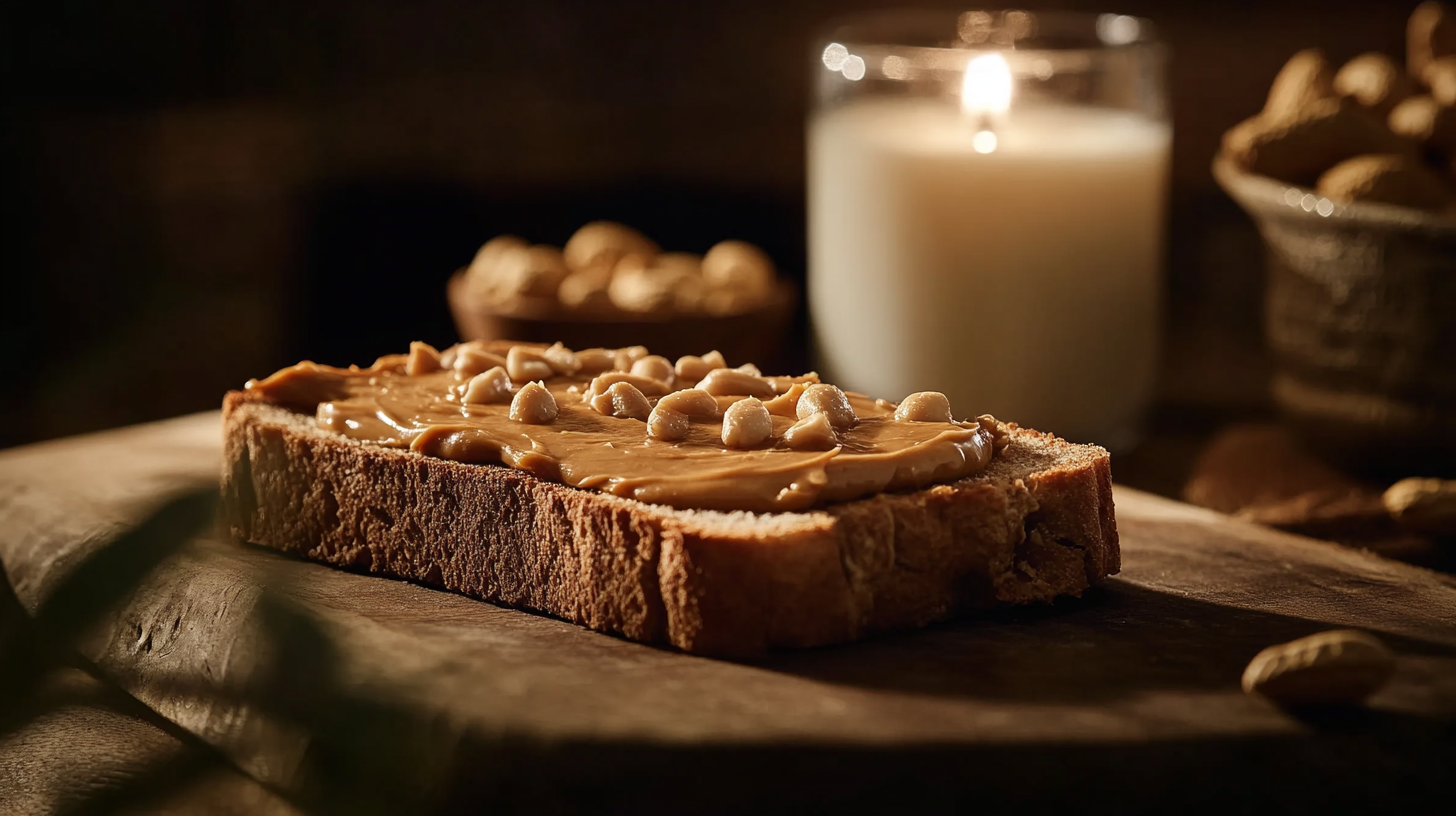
(984, 142)
(895, 67)
(1118, 29)
(975, 26)
(834, 56)
(1017, 25)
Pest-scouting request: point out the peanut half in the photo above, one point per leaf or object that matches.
(746, 424)
(595, 361)
(924, 406)
(625, 357)
(524, 363)
(423, 359)
(623, 401)
(787, 403)
(730, 382)
(647, 385)
(472, 358)
(488, 387)
(694, 403)
(691, 370)
(828, 400)
(813, 433)
(534, 405)
(667, 425)
(561, 359)
(654, 367)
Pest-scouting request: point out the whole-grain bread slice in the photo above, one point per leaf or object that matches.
(1036, 524)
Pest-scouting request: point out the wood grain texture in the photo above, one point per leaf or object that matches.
(90, 748)
(1125, 697)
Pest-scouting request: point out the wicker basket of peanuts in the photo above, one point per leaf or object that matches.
(1350, 175)
(611, 285)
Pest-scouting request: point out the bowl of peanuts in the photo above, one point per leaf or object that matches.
(612, 286)
(1350, 177)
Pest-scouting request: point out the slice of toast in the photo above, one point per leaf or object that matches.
(1037, 523)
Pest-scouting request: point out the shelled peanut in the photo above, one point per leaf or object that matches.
(1374, 130)
(608, 268)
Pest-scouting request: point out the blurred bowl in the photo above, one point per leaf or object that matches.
(1360, 320)
(755, 336)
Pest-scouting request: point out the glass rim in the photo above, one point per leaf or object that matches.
(1099, 33)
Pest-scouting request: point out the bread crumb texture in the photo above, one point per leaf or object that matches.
(1036, 524)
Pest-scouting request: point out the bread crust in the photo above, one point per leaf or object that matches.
(1037, 524)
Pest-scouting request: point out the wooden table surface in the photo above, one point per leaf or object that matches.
(325, 685)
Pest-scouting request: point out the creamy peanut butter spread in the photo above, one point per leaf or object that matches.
(426, 411)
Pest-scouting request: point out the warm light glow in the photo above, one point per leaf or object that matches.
(834, 56)
(987, 87)
(837, 58)
(1118, 29)
(984, 142)
(895, 68)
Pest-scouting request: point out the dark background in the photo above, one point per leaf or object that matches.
(202, 192)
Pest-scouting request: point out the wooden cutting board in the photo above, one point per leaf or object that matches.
(333, 685)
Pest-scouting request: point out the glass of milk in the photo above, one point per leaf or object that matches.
(987, 198)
